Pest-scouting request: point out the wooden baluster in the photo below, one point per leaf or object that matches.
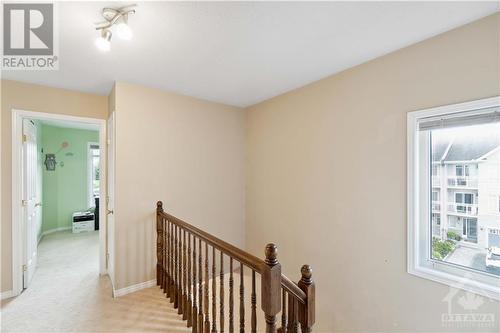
(180, 309)
(271, 287)
(172, 263)
(221, 304)
(295, 316)
(214, 290)
(207, 318)
(171, 259)
(283, 313)
(254, 305)
(165, 258)
(184, 277)
(177, 275)
(242, 301)
(195, 307)
(180, 297)
(159, 243)
(164, 255)
(200, 289)
(231, 296)
(307, 311)
(292, 314)
(178, 279)
(174, 260)
(189, 305)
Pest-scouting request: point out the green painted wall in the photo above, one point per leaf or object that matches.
(65, 189)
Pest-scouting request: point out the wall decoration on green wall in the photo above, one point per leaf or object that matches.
(50, 159)
(50, 162)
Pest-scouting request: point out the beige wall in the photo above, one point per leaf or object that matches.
(111, 101)
(184, 151)
(326, 178)
(17, 95)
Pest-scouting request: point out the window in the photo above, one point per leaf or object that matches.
(465, 140)
(465, 198)
(462, 170)
(93, 172)
(464, 202)
(436, 225)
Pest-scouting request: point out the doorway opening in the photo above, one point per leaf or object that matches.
(58, 188)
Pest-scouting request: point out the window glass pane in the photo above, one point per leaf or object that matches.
(468, 198)
(466, 231)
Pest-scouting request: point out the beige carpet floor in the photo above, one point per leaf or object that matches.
(68, 295)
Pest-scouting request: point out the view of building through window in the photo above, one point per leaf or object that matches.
(94, 164)
(465, 198)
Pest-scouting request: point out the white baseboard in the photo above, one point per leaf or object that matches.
(133, 288)
(7, 294)
(51, 231)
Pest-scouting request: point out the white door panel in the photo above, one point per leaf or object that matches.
(111, 196)
(31, 202)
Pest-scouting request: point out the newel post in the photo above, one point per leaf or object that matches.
(307, 311)
(159, 244)
(271, 287)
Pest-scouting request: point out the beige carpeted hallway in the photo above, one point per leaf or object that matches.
(68, 295)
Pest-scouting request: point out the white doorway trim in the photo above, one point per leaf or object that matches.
(17, 236)
(89, 171)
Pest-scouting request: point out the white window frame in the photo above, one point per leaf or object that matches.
(90, 184)
(472, 196)
(419, 261)
(465, 170)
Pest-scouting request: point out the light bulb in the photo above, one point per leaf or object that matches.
(123, 31)
(103, 43)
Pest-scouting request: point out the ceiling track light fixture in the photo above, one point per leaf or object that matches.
(117, 17)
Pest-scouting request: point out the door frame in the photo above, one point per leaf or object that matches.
(17, 235)
(110, 185)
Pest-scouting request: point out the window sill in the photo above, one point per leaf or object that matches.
(482, 284)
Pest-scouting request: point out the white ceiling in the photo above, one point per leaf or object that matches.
(240, 53)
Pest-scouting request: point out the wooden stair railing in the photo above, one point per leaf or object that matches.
(182, 271)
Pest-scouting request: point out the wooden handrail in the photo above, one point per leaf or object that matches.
(182, 276)
(236, 253)
(292, 288)
(251, 261)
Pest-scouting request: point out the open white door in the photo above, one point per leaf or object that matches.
(111, 198)
(31, 200)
